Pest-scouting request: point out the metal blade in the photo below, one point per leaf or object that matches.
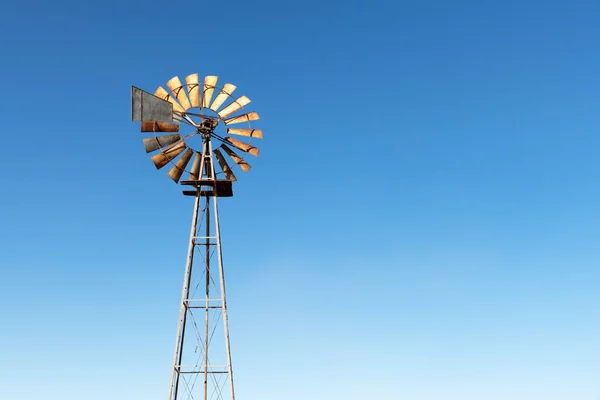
(255, 133)
(224, 166)
(221, 97)
(155, 143)
(245, 147)
(238, 160)
(233, 107)
(163, 94)
(157, 126)
(176, 87)
(147, 107)
(209, 86)
(193, 89)
(253, 116)
(194, 173)
(179, 167)
(161, 159)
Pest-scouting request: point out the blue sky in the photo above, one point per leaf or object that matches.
(422, 222)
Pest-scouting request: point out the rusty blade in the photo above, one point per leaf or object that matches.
(176, 87)
(238, 160)
(155, 143)
(222, 96)
(163, 94)
(255, 133)
(224, 166)
(194, 172)
(158, 126)
(235, 106)
(193, 89)
(245, 147)
(209, 86)
(179, 167)
(161, 159)
(253, 116)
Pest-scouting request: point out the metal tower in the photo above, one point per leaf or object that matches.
(197, 359)
(202, 365)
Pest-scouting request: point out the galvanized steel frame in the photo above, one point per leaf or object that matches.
(207, 171)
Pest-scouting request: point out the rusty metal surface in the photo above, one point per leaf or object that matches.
(224, 166)
(194, 172)
(155, 143)
(210, 82)
(238, 160)
(163, 94)
(255, 133)
(208, 165)
(174, 84)
(203, 193)
(193, 89)
(158, 126)
(179, 167)
(224, 188)
(245, 147)
(253, 116)
(227, 90)
(161, 159)
(235, 106)
(146, 106)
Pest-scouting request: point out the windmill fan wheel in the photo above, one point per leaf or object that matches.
(207, 111)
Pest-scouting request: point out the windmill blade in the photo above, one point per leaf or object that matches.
(224, 166)
(209, 86)
(245, 147)
(253, 116)
(179, 167)
(193, 89)
(233, 107)
(221, 97)
(158, 126)
(166, 155)
(158, 142)
(238, 160)
(174, 84)
(255, 133)
(195, 171)
(163, 94)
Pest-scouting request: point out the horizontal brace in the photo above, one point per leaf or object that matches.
(201, 372)
(201, 366)
(200, 300)
(204, 307)
(199, 369)
(199, 243)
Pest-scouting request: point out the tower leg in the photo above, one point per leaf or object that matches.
(177, 357)
(223, 299)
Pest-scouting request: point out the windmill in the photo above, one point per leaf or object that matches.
(181, 125)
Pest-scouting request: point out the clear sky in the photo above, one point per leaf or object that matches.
(422, 222)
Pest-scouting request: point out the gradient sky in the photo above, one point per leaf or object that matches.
(422, 222)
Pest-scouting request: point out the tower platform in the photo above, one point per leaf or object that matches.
(210, 188)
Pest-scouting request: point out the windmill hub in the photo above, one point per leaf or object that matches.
(207, 126)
